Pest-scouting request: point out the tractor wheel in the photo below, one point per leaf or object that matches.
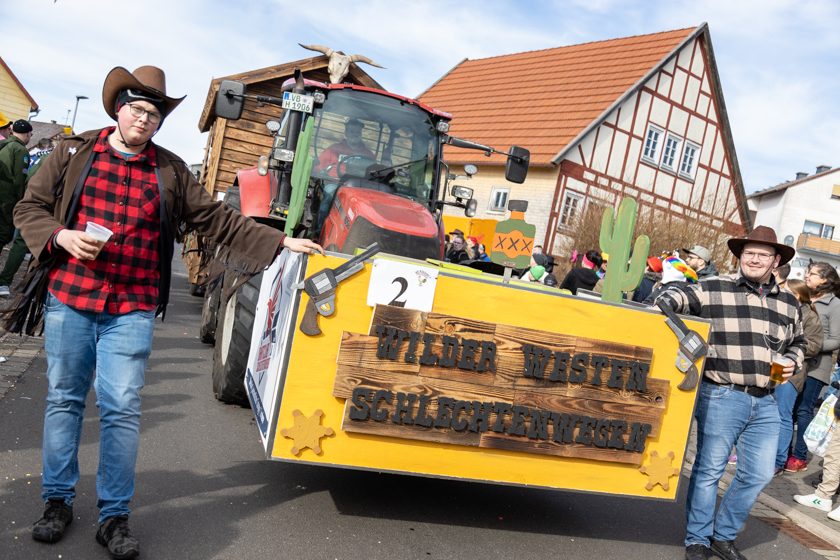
(233, 341)
(213, 289)
(210, 310)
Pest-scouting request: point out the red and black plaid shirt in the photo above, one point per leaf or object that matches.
(122, 195)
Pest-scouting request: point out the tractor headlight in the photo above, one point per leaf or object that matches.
(282, 154)
(461, 192)
(262, 165)
(442, 126)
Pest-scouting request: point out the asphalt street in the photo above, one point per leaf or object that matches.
(204, 490)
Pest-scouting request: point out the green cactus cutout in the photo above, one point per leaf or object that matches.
(301, 169)
(616, 233)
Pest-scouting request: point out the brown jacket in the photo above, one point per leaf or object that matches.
(812, 326)
(46, 205)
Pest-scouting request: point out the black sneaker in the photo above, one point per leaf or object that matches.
(57, 517)
(115, 535)
(697, 552)
(726, 550)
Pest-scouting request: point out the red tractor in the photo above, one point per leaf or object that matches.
(349, 165)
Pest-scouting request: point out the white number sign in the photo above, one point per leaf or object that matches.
(402, 285)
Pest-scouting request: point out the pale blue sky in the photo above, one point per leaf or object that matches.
(778, 59)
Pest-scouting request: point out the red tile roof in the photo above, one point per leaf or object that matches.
(542, 100)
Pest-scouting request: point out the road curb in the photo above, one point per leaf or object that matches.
(822, 530)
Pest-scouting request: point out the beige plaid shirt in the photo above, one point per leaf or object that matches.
(749, 323)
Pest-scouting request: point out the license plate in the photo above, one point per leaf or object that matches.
(298, 102)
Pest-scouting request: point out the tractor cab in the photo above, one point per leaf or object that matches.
(350, 165)
(374, 157)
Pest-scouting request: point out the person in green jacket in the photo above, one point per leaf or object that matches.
(18, 250)
(14, 163)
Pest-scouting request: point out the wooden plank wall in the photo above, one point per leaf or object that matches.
(239, 144)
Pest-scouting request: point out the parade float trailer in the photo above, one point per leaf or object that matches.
(416, 369)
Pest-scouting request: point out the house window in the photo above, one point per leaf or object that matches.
(653, 143)
(818, 229)
(688, 164)
(498, 199)
(835, 191)
(572, 203)
(671, 154)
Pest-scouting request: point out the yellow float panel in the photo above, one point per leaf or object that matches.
(313, 425)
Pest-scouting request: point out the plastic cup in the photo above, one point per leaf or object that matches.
(100, 233)
(777, 368)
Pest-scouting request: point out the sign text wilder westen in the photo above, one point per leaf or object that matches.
(452, 380)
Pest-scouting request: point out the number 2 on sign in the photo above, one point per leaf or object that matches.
(403, 287)
(402, 284)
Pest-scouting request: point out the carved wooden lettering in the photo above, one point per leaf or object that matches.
(438, 378)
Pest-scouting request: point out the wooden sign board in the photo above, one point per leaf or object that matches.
(497, 383)
(496, 386)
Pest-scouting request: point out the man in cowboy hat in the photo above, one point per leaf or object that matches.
(752, 321)
(103, 296)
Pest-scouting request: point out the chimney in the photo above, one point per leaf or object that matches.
(823, 168)
(53, 122)
(800, 175)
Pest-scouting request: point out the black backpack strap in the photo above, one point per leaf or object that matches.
(166, 248)
(72, 208)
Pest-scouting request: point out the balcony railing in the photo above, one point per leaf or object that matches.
(817, 244)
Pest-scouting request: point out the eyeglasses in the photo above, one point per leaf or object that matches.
(762, 257)
(137, 112)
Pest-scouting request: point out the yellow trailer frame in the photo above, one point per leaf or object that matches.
(318, 383)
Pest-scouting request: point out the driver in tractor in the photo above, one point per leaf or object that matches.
(330, 162)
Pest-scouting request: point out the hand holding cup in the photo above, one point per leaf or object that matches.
(84, 245)
(781, 368)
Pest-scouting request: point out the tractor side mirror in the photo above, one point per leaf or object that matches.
(516, 168)
(472, 206)
(230, 99)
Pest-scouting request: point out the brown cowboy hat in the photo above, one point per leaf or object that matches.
(765, 236)
(149, 79)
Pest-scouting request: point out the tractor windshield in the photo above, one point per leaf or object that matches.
(378, 141)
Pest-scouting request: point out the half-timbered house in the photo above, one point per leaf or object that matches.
(639, 116)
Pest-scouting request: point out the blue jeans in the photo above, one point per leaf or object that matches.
(805, 413)
(785, 397)
(724, 418)
(116, 348)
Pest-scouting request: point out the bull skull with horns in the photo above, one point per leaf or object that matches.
(339, 63)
